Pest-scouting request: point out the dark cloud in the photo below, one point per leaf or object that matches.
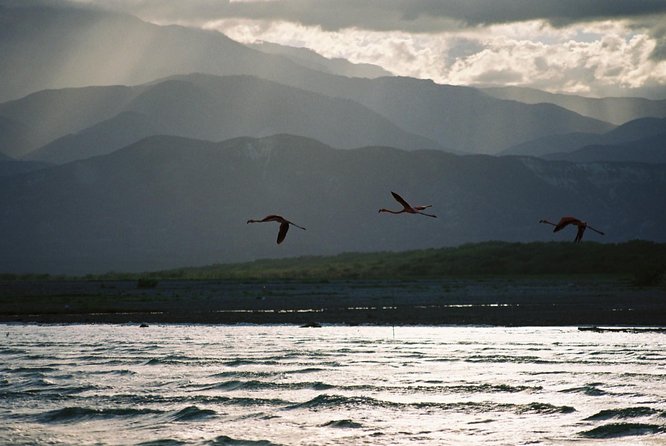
(383, 15)
(413, 16)
(557, 12)
(659, 34)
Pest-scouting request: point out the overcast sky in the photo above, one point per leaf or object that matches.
(588, 47)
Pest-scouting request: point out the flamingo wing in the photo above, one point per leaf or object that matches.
(284, 227)
(401, 200)
(273, 217)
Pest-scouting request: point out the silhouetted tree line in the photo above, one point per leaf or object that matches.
(641, 262)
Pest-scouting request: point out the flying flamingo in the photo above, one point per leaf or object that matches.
(406, 207)
(565, 221)
(284, 225)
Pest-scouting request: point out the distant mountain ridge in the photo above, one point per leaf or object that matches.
(134, 52)
(217, 108)
(14, 137)
(640, 140)
(310, 59)
(50, 114)
(9, 167)
(168, 201)
(614, 110)
(651, 149)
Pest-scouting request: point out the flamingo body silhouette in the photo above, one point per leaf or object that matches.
(284, 225)
(566, 221)
(407, 208)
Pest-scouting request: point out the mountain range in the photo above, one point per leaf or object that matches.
(217, 108)
(639, 140)
(614, 110)
(129, 146)
(169, 201)
(650, 149)
(128, 51)
(311, 59)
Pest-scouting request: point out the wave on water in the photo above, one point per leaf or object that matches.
(162, 442)
(587, 389)
(623, 430)
(544, 408)
(37, 371)
(41, 386)
(265, 385)
(112, 372)
(77, 414)
(245, 393)
(193, 413)
(223, 440)
(340, 401)
(437, 389)
(193, 399)
(244, 374)
(322, 401)
(493, 388)
(240, 362)
(305, 370)
(12, 351)
(175, 360)
(628, 412)
(343, 424)
(508, 359)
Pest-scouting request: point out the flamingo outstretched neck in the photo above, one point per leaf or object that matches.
(284, 225)
(566, 221)
(407, 208)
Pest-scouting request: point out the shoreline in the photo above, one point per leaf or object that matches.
(494, 301)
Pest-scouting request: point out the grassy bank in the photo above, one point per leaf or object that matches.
(494, 283)
(641, 262)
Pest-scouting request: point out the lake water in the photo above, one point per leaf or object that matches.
(266, 385)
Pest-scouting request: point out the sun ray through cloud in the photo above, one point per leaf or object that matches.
(599, 49)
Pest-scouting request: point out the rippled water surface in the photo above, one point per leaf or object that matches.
(265, 385)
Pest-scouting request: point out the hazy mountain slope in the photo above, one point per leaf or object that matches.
(79, 46)
(646, 150)
(123, 129)
(461, 118)
(51, 114)
(217, 108)
(637, 129)
(14, 138)
(554, 144)
(76, 46)
(9, 167)
(169, 201)
(310, 59)
(613, 110)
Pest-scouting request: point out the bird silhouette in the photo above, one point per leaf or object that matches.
(406, 207)
(284, 225)
(566, 221)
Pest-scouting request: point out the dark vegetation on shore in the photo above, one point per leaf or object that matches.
(641, 262)
(495, 283)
